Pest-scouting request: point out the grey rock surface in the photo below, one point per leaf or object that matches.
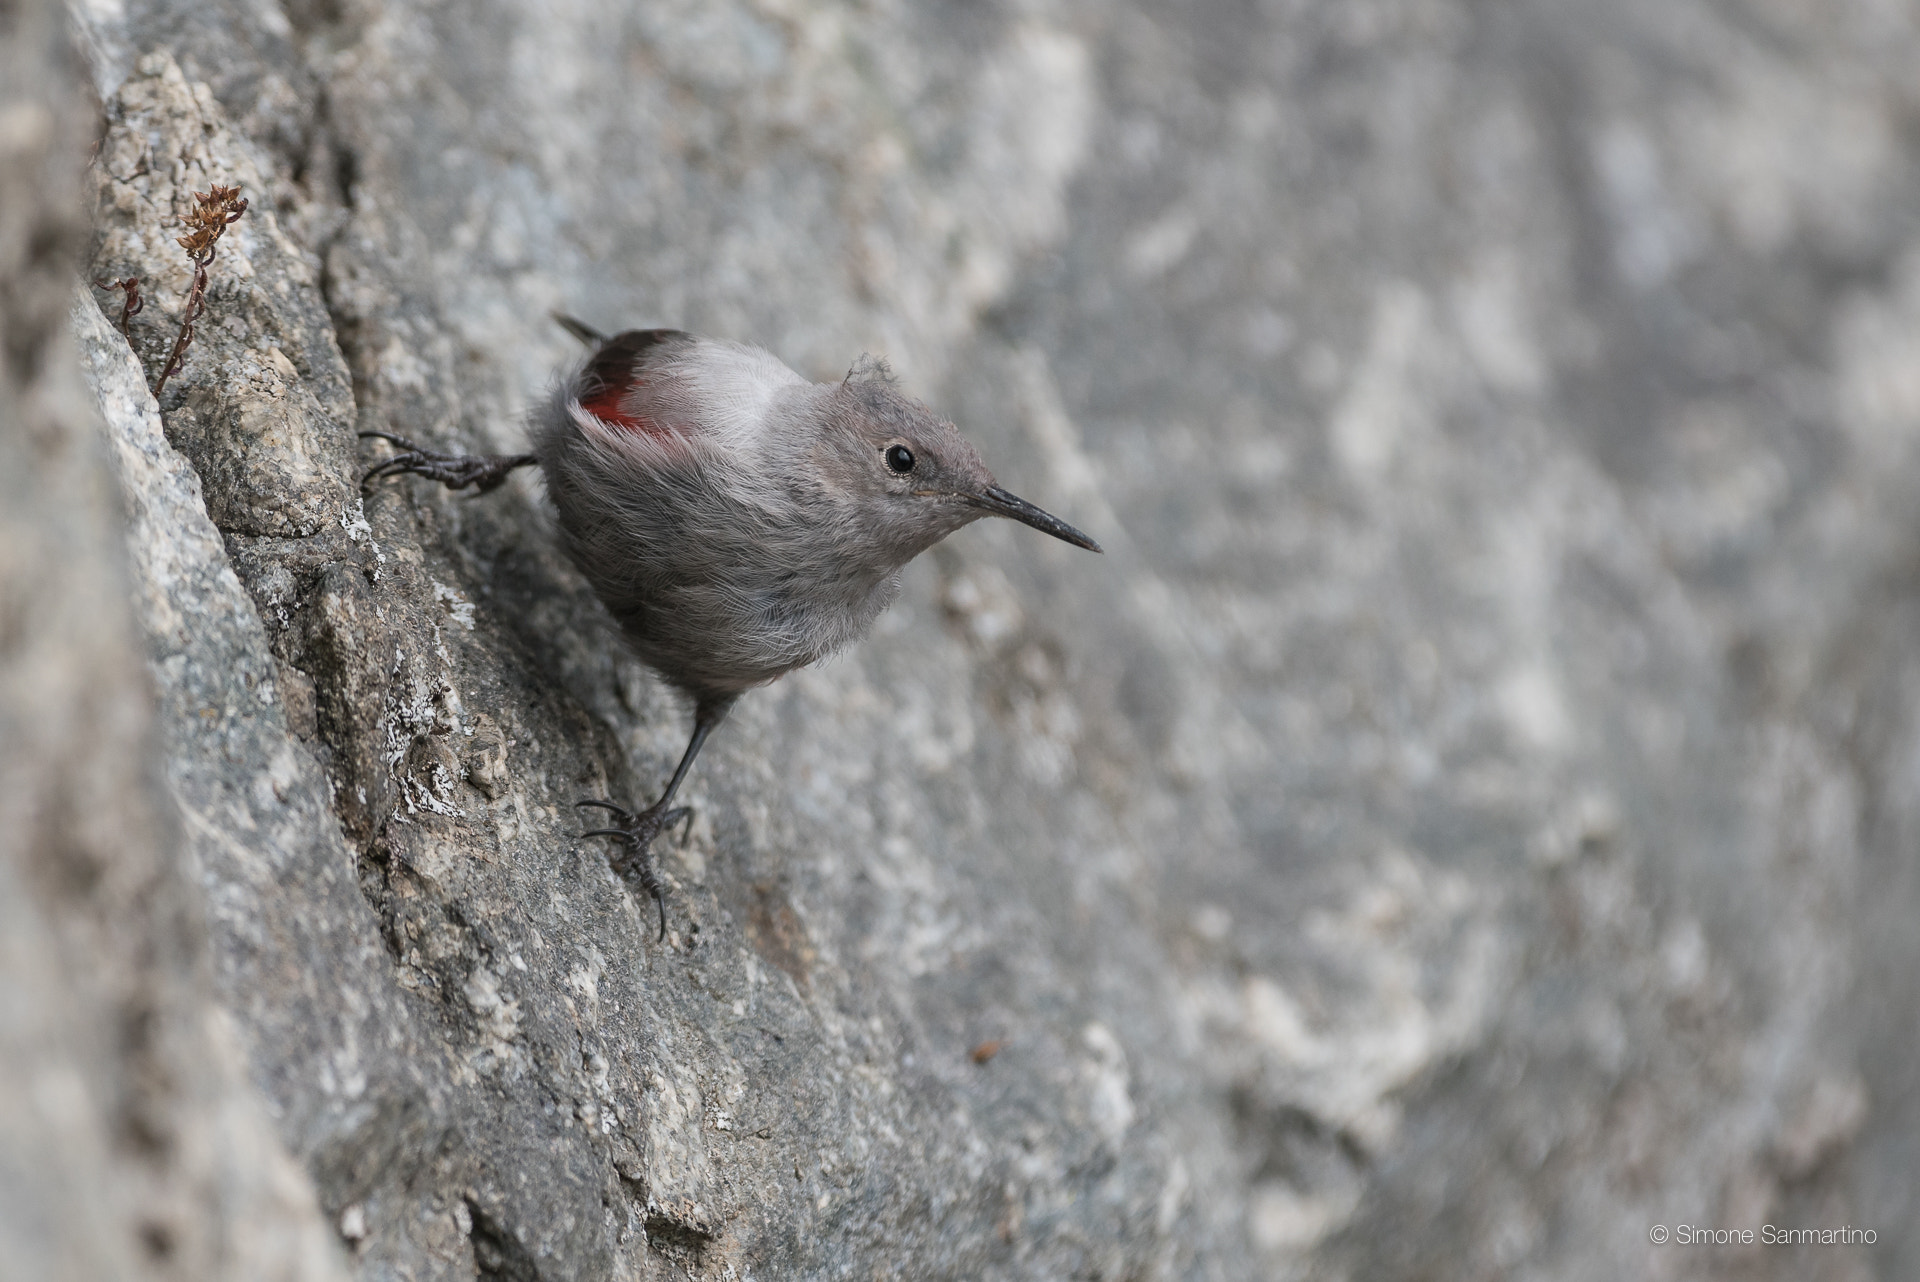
(1467, 820)
(131, 1144)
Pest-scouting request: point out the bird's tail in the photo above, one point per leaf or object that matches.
(586, 333)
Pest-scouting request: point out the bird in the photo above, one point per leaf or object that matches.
(737, 520)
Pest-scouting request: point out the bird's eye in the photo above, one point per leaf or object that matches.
(900, 459)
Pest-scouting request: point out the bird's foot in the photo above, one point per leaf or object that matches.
(455, 471)
(633, 836)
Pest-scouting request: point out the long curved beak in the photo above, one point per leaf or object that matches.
(1001, 503)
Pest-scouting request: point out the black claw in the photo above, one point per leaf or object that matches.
(604, 805)
(390, 438)
(635, 833)
(484, 472)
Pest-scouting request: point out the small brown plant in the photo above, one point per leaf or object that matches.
(213, 212)
(129, 309)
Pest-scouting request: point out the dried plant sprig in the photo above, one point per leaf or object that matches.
(213, 212)
(133, 305)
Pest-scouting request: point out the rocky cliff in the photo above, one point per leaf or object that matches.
(1466, 821)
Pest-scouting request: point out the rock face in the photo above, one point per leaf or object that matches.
(131, 1144)
(1467, 820)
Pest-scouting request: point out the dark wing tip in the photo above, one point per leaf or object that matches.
(617, 367)
(587, 334)
(618, 361)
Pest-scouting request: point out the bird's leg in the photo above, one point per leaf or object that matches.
(634, 833)
(455, 471)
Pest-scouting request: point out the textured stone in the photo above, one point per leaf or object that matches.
(131, 1145)
(1466, 820)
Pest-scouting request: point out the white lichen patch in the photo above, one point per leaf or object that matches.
(457, 605)
(1417, 959)
(1281, 1218)
(583, 981)
(497, 1015)
(982, 601)
(680, 1177)
(354, 521)
(1107, 1082)
(421, 714)
(1383, 404)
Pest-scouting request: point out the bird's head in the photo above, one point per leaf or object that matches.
(909, 473)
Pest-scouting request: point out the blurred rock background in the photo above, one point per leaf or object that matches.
(1471, 816)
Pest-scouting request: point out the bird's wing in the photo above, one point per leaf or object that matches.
(618, 369)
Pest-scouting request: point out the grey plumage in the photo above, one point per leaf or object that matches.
(751, 525)
(737, 520)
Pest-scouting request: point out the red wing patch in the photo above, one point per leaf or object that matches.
(605, 406)
(617, 369)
